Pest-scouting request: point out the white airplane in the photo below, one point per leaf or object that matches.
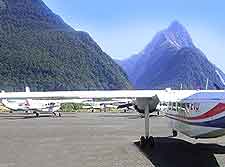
(103, 104)
(195, 113)
(37, 107)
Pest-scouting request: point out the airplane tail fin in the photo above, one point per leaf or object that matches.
(27, 89)
(28, 101)
(4, 101)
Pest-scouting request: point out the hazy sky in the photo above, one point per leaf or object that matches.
(124, 27)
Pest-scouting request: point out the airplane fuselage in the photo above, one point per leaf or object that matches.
(197, 119)
(32, 106)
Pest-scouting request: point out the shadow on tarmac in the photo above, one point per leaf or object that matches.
(21, 117)
(12, 116)
(171, 152)
(129, 116)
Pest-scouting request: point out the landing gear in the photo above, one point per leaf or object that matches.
(144, 140)
(174, 133)
(37, 114)
(151, 141)
(148, 139)
(146, 105)
(57, 114)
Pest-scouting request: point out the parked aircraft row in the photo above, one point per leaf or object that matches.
(38, 106)
(195, 113)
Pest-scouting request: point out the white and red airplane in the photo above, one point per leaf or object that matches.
(195, 113)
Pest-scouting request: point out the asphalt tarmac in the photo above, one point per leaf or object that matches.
(100, 140)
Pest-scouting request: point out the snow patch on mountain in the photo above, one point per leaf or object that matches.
(221, 78)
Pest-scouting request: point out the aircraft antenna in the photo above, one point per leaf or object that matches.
(207, 84)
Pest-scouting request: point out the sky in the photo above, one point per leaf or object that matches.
(124, 27)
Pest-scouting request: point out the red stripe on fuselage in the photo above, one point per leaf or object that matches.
(219, 108)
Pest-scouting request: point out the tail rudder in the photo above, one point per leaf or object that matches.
(27, 89)
(28, 101)
(4, 101)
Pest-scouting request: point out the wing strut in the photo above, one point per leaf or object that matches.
(149, 105)
(147, 139)
(147, 121)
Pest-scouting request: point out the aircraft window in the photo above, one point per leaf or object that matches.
(170, 106)
(191, 106)
(197, 106)
(174, 107)
(187, 106)
(181, 107)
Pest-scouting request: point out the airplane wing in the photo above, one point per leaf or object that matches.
(163, 95)
(143, 97)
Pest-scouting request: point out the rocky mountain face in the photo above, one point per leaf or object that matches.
(38, 49)
(171, 60)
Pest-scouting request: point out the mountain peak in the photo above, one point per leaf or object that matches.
(169, 60)
(176, 25)
(177, 35)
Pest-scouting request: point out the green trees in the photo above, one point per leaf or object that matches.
(39, 50)
(71, 107)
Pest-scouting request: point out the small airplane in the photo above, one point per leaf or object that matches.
(104, 104)
(195, 113)
(37, 107)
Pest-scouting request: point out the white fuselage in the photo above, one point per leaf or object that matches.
(114, 103)
(198, 119)
(32, 105)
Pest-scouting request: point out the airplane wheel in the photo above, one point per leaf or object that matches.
(54, 114)
(37, 114)
(174, 133)
(142, 141)
(151, 141)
